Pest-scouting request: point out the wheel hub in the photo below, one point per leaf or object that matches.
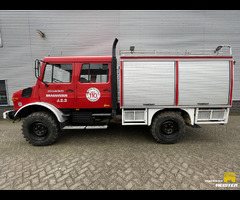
(39, 129)
(169, 127)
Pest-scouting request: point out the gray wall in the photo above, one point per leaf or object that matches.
(83, 32)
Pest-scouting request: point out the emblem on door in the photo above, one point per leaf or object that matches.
(93, 94)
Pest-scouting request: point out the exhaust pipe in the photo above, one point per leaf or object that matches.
(114, 79)
(114, 47)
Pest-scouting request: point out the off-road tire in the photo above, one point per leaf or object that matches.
(41, 128)
(168, 127)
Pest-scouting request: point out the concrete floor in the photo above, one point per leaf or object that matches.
(121, 157)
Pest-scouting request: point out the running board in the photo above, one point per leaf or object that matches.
(102, 114)
(86, 127)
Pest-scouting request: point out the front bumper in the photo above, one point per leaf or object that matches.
(9, 114)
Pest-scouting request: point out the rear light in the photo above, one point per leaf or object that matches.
(14, 99)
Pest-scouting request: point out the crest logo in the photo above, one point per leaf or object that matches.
(93, 94)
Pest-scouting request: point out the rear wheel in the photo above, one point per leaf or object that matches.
(40, 128)
(168, 127)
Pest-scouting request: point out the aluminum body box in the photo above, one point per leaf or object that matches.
(176, 81)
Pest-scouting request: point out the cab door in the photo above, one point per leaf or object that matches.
(93, 87)
(60, 87)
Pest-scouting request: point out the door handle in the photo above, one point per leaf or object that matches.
(106, 90)
(69, 90)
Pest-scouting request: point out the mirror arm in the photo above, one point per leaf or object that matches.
(37, 62)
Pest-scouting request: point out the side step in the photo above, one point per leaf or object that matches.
(86, 127)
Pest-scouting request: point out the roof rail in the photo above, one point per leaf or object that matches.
(161, 52)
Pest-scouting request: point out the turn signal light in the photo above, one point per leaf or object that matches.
(14, 99)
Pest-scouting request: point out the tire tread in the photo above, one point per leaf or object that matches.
(53, 128)
(154, 125)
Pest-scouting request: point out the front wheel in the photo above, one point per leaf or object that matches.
(40, 128)
(168, 127)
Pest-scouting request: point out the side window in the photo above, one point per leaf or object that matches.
(3, 93)
(94, 73)
(58, 73)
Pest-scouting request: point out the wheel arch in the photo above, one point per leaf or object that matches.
(186, 113)
(39, 106)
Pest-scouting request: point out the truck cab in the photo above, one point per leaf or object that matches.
(76, 82)
(70, 93)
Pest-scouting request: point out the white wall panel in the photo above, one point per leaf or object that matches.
(91, 32)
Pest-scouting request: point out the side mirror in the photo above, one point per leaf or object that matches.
(37, 68)
(38, 71)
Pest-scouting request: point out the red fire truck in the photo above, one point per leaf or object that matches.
(165, 92)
